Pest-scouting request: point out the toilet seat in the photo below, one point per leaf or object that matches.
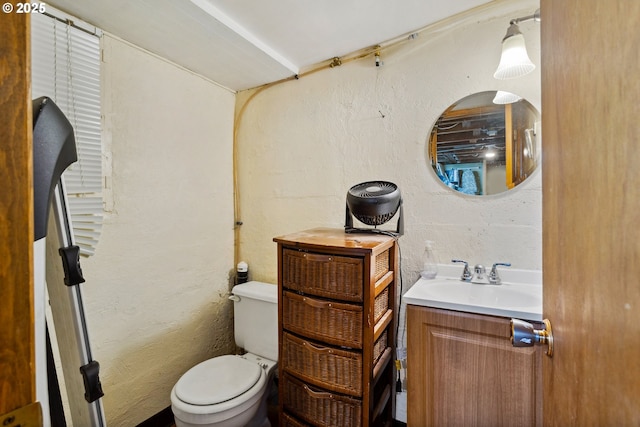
(234, 407)
(217, 380)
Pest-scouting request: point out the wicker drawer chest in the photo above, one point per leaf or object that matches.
(336, 314)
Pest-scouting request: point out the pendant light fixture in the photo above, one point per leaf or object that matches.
(515, 61)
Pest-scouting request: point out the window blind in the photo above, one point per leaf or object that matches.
(66, 68)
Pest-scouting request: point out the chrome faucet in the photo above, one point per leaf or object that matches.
(480, 275)
(466, 273)
(494, 277)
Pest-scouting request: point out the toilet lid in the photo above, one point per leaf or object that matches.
(217, 380)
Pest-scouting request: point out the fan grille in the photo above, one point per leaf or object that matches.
(373, 189)
(374, 220)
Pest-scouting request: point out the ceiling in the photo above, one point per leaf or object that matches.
(241, 44)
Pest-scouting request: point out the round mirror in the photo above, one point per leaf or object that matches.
(486, 143)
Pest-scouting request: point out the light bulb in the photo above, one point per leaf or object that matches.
(503, 97)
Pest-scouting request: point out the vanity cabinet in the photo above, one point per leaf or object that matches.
(463, 371)
(336, 315)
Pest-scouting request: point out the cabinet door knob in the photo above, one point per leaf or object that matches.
(523, 334)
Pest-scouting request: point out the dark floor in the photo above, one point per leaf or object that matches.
(165, 417)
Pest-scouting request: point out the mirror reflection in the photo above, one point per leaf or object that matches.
(478, 147)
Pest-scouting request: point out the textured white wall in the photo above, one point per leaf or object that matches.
(303, 143)
(156, 289)
(156, 292)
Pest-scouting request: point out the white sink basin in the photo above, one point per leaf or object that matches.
(519, 300)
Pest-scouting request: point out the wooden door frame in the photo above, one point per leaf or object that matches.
(17, 354)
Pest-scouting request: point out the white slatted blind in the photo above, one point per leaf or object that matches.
(66, 68)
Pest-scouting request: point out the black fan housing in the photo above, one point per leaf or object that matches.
(373, 203)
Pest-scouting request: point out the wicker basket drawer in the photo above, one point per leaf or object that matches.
(289, 421)
(323, 275)
(328, 321)
(382, 264)
(381, 305)
(320, 408)
(380, 346)
(328, 367)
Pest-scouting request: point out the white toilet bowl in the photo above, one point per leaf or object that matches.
(232, 390)
(224, 391)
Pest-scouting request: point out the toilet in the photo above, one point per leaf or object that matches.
(232, 390)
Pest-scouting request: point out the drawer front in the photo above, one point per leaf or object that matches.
(328, 321)
(329, 276)
(328, 367)
(318, 407)
(289, 421)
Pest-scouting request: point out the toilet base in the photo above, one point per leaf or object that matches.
(253, 416)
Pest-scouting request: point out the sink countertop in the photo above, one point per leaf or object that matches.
(519, 295)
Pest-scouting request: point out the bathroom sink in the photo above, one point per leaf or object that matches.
(507, 300)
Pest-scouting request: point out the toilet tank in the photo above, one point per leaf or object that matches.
(256, 318)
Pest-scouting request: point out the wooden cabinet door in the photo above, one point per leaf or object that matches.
(463, 371)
